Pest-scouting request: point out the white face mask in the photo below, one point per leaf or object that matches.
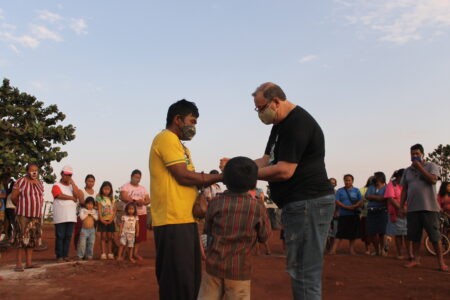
(267, 116)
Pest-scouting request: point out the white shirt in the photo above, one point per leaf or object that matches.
(64, 210)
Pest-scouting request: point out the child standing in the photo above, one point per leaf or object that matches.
(106, 215)
(88, 216)
(234, 222)
(129, 229)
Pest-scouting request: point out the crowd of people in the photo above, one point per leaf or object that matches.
(399, 210)
(236, 219)
(78, 214)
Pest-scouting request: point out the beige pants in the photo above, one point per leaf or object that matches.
(214, 288)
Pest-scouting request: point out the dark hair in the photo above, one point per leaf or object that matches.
(128, 205)
(443, 188)
(89, 176)
(240, 174)
(379, 176)
(89, 200)
(27, 168)
(181, 108)
(111, 194)
(270, 90)
(369, 181)
(349, 175)
(398, 173)
(213, 172)
(417, 147)
(136, 172)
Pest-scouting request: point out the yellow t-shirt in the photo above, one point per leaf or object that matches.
(171, 202)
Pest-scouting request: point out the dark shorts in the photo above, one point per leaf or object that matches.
(348, 227)
(417, 221)
(376, 221)
(106, 227)
(142, 237)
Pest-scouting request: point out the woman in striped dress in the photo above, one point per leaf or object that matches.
(28, 196)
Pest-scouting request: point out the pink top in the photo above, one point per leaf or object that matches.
(444, 202)
(394, 192)
(136, 192)
(31, 198)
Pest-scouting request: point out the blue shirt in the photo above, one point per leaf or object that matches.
(372, 190)
(341, 196)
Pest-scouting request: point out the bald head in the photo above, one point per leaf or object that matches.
(270, 90)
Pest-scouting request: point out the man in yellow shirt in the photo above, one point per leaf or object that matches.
(173, 189)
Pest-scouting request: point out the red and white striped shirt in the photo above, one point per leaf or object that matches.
(31, 198)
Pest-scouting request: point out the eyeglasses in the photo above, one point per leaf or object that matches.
(262, 109)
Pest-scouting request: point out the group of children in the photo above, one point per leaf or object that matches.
(100, 214)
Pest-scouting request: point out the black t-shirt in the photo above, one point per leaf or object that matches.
(299, 139)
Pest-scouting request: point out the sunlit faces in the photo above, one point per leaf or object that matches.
(106, 190)
(267, 110)
(135, 179)
(416, 155)
(90, 182)
(187, 127)
(348, 181)
(33, 172)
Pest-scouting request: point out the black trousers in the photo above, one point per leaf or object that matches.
(178, 261)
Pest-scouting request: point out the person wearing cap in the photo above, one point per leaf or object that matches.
(66, 195)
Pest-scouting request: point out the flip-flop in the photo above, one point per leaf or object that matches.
(18, 269)
(33, 266)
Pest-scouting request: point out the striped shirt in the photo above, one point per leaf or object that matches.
(31, 198)
(234, 222)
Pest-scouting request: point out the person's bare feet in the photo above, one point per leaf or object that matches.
(138, 257)
(119, 258)
(133, 260)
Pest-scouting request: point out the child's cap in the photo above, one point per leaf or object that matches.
(89, 200)
(240, 174)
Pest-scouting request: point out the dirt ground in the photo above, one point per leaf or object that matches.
(345, 277)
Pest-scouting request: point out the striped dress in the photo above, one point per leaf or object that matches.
(31, 198)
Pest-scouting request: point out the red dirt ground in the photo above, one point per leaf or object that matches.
(345, 277)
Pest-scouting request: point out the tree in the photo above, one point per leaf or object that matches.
(30, 133)
(441, 157)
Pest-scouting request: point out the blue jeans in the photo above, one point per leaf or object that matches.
(86, 242)
(306, 224)
(63, 235)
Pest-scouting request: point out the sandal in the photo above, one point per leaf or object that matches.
(18, 269)
(32, 266)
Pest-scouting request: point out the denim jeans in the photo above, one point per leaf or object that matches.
(86, 242)
(63, 235)
(306, 224)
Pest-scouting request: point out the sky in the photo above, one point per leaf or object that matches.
(374, 74)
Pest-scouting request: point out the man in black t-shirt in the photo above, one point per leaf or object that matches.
(293, 164)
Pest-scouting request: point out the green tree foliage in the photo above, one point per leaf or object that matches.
(441, 157)
(30, 132)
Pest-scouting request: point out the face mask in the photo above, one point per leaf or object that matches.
(188, 132)
(267, 116)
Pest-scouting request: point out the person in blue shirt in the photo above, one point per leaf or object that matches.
(349, 201)
(377, 216)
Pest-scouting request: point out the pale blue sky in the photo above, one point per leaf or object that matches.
(375, 75)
